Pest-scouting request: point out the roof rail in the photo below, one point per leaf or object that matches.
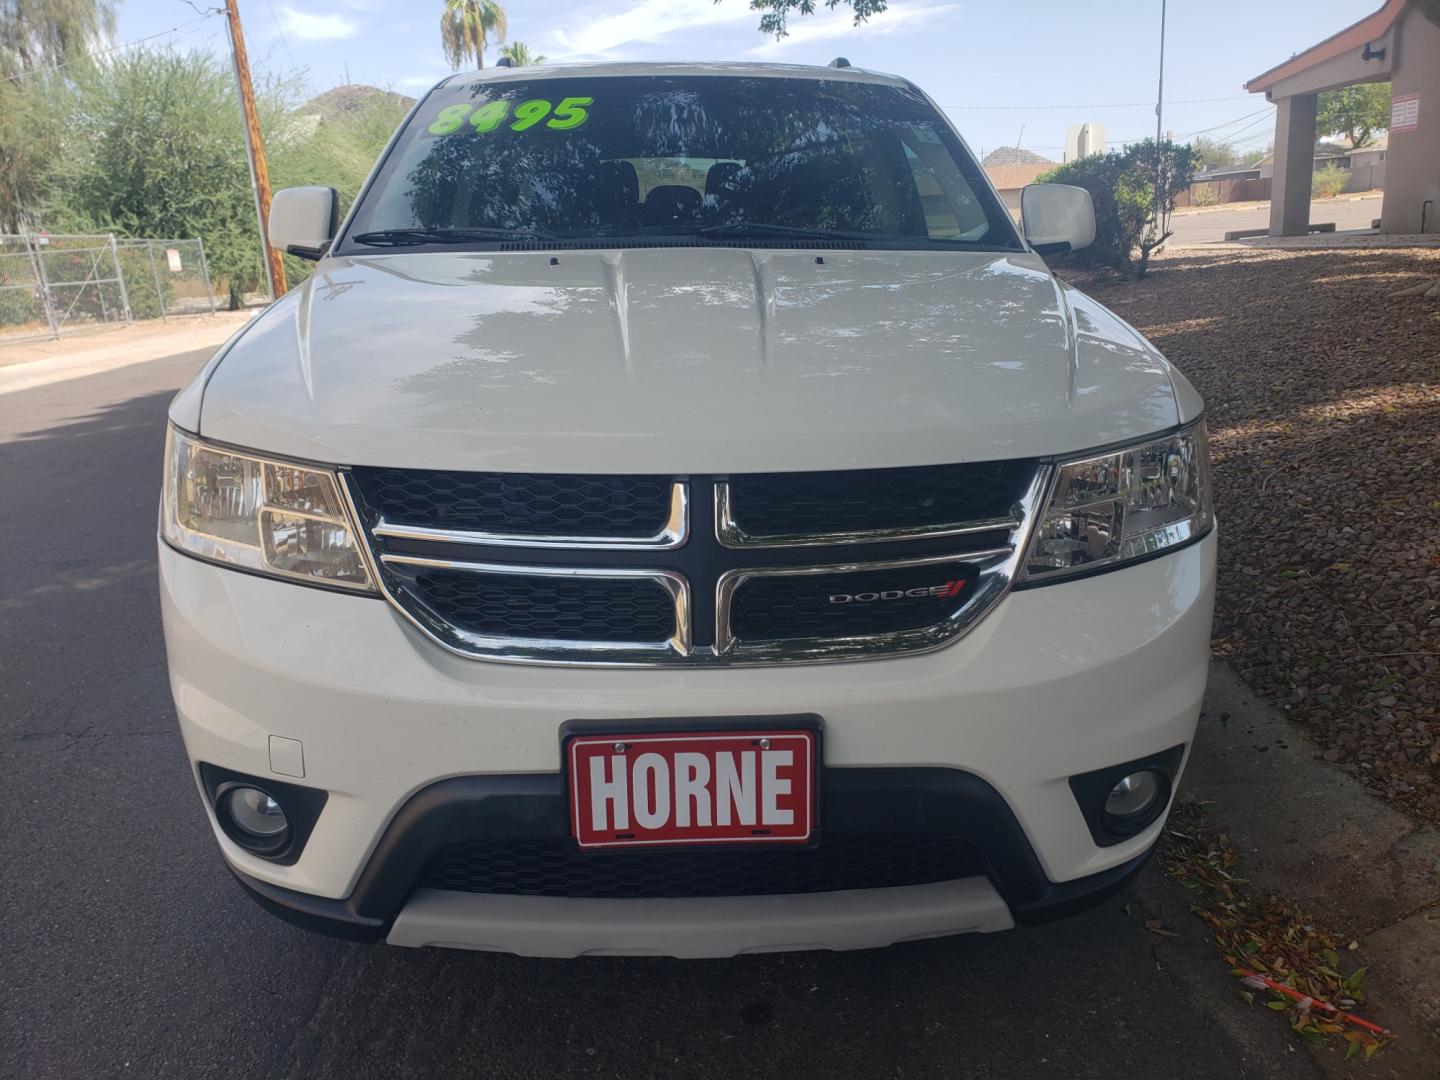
(839, 62)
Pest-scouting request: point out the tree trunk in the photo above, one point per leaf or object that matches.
(1426, 290)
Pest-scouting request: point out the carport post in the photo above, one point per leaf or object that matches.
(1294, 165)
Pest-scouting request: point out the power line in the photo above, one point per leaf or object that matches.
(1253, 124)
(280, 30)
(113, 49)
(1227, 123)
(1121, 105)
(1258, 117)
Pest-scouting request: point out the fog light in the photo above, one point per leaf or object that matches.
(1133, 795)
(258, 819)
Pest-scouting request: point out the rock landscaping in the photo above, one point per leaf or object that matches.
(1323, 397)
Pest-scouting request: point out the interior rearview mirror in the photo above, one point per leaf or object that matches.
(303, 220)
(1057, 217)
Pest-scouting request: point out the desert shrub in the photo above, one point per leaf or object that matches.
(19, 306)
(1328, 182)
(139, 278)
(1122, 187)
(1205, 195)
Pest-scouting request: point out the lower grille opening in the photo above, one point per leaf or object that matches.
(553, 608)
(548, 867)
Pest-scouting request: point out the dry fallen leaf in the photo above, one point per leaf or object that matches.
(1270, 936)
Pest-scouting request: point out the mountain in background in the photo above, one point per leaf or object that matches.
(356, 97)
(1014, 155)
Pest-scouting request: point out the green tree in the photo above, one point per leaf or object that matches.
(1131, 221)
(36, 35)
(333, 149)
(518, 54)
(1257, 155)
(43, 33)
(775, 14)
(1213, 154)
(467, 27)
(150, 145)
(1357, 112)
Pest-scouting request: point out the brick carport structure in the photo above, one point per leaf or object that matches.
(1401, 43)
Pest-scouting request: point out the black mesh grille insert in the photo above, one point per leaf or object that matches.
(524, 606)
(549, 868)
(776, 504)
(850, 604)
(531, 504)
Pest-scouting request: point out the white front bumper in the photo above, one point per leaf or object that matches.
(1055, 681)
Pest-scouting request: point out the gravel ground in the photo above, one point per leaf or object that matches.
(1323, 398)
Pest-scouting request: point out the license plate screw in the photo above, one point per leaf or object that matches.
(764, 744)
(621, 747)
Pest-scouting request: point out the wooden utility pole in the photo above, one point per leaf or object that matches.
(255, 151)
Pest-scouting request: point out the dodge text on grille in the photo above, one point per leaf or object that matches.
(950, 588)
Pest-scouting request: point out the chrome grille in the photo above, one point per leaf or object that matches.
(522, 509)
(777, 509)
(709, 572)
(544, 607)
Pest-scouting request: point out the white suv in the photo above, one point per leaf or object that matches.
(683, 515)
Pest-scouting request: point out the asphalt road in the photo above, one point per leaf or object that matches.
(1209, 226)
(126, 950)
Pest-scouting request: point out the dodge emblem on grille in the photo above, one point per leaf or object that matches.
(950, 588)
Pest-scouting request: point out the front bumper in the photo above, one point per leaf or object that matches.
(1055, 681)
(1013, 887)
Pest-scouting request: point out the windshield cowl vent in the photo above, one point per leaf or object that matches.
(679, 242)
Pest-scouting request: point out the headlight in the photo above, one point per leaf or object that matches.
(272, 517)
(1114, 508)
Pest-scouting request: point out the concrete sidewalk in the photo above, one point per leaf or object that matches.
(30, 364)
(1312, 834)
(1204, 226)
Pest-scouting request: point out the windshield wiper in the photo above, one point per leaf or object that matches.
(766, 228)
(410, 236)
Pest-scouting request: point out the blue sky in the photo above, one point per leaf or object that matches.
(1040, 64)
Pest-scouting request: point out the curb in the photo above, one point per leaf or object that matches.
(118, 350)
(1311, 833)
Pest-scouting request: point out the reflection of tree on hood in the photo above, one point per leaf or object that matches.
(816, 167)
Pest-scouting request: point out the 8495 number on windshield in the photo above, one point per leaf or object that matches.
(492, 116)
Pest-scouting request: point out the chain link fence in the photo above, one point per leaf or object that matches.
(166, 277)
(51, 282)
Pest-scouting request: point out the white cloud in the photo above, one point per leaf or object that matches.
(419, 82)
(646, 21)
(840, 23)
(308, 27)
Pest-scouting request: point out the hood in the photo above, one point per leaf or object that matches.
(684, 360)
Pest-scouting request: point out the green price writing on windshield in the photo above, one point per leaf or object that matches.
(566, 116)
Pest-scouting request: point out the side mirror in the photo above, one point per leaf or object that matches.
(1057, 217)
(303, 220)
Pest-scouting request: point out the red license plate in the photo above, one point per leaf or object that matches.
(705, 787)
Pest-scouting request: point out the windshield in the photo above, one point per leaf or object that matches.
(709, 158)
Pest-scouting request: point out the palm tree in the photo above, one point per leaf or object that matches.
(467, 27)
(519, 55)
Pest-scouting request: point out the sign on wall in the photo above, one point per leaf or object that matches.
(1404, 113)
